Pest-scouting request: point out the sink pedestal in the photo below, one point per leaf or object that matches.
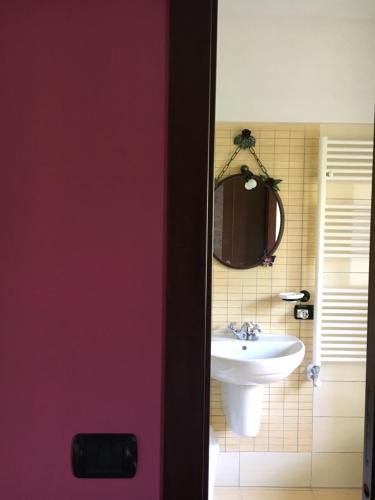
(244, 367)
(243, 407)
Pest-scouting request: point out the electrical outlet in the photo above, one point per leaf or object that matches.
(304, 312)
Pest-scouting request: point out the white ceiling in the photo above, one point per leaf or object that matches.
(296, 61)
(350, 9)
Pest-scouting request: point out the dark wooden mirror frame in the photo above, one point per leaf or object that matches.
(188, 261)
(275, 246)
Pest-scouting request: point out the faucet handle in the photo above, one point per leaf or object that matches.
(255, 326)
(232, 326)
(239, 334)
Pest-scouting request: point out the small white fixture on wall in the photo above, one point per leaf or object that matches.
(302, 296)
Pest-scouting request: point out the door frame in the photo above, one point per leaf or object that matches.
(192, 67)
(192, 82)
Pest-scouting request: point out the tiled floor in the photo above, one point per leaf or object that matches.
(285, 494)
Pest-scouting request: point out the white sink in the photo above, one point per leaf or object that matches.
(244, 366)
(252, 362)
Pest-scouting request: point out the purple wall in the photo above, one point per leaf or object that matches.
(82, 184)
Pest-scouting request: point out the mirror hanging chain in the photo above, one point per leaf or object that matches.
(227, 165)
(246, 141)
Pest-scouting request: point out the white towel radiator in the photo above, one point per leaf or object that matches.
(343, 238)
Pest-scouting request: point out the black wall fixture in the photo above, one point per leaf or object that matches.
(104, 455)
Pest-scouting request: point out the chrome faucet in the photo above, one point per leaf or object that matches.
(248, 331)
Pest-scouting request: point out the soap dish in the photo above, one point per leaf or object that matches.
(302, 296)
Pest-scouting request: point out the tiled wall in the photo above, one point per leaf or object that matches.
(338, 426)
(306, 438)
(290, 153)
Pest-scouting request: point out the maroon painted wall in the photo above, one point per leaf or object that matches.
(82, 184)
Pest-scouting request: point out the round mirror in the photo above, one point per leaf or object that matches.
(248, 222)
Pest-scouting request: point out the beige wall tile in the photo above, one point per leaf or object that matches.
(344, 372)
(338, 434)
(340, 399)
(337, 470)
(227, 469)
(275, 469)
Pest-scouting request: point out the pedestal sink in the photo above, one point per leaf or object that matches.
(243, 367)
